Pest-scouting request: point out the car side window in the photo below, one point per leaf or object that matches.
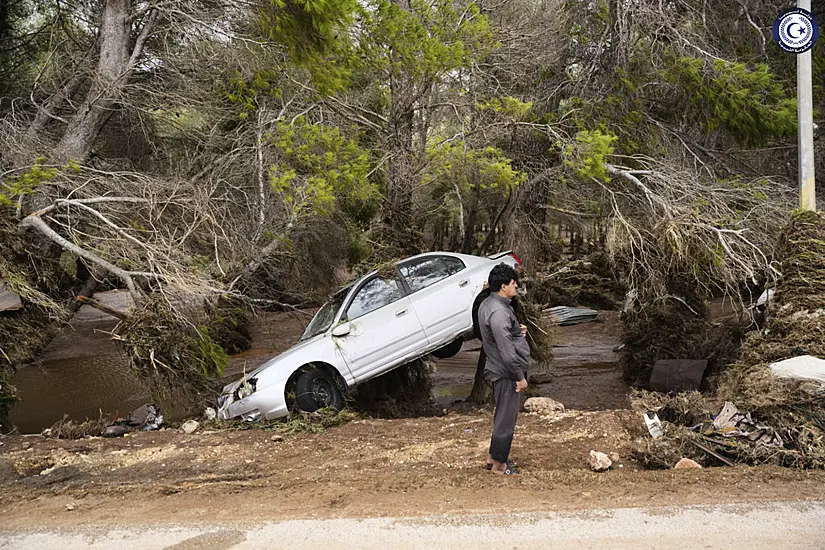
(428, 271)
(376, 293)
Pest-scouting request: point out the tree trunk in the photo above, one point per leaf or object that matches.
(482, 392)
(115, 64)
(47, 112)
(469, 244)
(398, 204)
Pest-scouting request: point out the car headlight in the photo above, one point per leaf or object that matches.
(252, 416)
(246, 388)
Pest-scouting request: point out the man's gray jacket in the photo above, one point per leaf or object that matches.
(508, 354)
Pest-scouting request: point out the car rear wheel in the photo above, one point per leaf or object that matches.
(449, 350)
(315, 390)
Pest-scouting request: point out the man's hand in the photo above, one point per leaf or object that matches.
(521, 385)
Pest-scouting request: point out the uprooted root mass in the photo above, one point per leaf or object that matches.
(792, 410)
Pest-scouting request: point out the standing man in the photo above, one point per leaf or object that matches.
(508, 355)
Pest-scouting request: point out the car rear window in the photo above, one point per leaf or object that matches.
(424, 272)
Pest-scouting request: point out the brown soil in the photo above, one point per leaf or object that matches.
(369, 467)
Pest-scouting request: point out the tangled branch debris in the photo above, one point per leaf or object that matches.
(297, 422)
(676, 327)
(790, 413)
(402, 392)
(69, 429)
(588, 283)
(179, 362)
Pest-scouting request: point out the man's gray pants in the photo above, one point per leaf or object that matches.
(508, 402)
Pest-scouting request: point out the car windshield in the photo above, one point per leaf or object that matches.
(325, 316)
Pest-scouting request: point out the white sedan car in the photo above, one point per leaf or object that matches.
(384, 320)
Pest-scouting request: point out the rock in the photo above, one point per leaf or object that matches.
(540, 378)
(139, 415)
(70, 506)
(599, 462)
(614, 457)
(117, 430)
(542, 405)
(190, 426)
(686, 463)
(45, 433)
(277, 437)
(149, 417)
(26, 444)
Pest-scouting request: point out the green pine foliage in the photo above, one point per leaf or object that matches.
(322, 171)
(588, 154)
(748, 101)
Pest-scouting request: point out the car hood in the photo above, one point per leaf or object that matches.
(284, 364)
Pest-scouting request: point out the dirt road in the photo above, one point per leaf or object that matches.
(753, 527)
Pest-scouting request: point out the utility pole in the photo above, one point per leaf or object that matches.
(807, 188)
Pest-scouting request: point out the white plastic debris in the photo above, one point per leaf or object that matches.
(765, 297)
(654, 425)
(804, 367)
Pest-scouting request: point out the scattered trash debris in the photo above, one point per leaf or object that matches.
(277, 437)
(765, 299)
(599, 462)
(687, 463)
(804, 367)
(190, 426)
(732, 423)
(677, 375)
(154, 420)
(564, 315)
(654, 425)
(210, 414)
(118, 430)
(70, 506)
(542, 405)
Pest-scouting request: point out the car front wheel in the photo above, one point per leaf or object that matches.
(315, 390)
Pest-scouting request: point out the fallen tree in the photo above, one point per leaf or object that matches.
(784, 419)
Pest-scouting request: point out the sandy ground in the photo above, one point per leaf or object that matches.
(377, 468)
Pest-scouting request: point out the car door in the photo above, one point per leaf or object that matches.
(441, 291)
(383, 328)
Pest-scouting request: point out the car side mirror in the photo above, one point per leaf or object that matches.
(341, 330)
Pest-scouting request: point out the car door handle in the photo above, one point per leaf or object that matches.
(400, 312)
(464, 283)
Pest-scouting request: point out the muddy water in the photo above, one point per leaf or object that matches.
(80, 387)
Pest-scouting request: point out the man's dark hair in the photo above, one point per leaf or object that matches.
(501, 275)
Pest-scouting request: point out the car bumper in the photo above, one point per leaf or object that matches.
(266, 403)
